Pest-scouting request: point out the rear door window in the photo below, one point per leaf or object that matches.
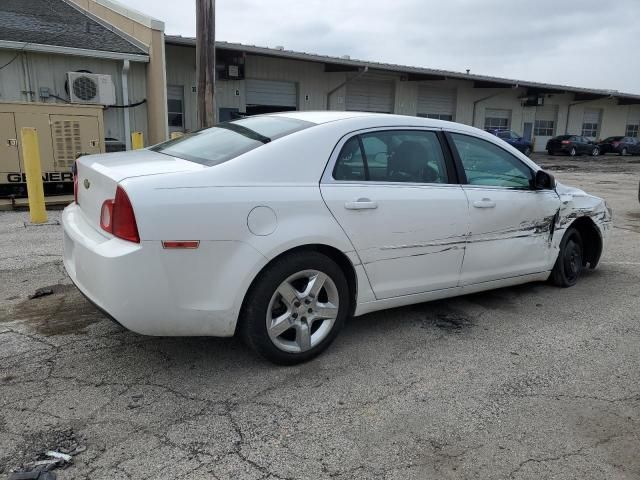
(406, 156)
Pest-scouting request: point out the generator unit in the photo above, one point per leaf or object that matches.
(65, 131)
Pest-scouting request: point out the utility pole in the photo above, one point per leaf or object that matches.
(206, 61)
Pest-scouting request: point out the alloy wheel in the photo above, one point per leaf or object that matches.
(302, 311)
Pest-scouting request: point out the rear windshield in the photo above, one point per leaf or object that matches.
(563, 137)
(228, 140)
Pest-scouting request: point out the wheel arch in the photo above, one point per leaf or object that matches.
(591, 239)
(341, 259)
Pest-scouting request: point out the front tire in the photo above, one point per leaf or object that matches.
(573, 152)
(569, 263)
(623, 152)
(595, 152)
(527, 151)
(295, 308)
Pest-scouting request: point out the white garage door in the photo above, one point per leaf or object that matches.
(365, 95)
(435, 102)
(545, 126)
(591, 123)
(495, 118)
(269, 92)
(633, 123)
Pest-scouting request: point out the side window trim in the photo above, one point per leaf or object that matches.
(363, 154)
(452, 170)
(460, 168)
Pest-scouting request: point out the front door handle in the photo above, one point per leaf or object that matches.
(484, 203)
(361, 204)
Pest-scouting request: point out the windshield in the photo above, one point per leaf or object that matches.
(228, 140)
(613, 139)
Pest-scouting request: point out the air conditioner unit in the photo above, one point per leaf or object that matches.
(91, 88)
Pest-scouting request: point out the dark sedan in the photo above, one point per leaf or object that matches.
(620, 145)
(513, 139)
(572, 145)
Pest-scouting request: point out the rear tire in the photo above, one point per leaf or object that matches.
(595, 152)
(623, 152)
(569, 263)
(572, 152)
(283, 316)
(550, 153)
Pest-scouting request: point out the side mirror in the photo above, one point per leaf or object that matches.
(544, 181)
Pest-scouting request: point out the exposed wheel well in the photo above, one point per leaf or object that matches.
(336, 255)
(591, 238)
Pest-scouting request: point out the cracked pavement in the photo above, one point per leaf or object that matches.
(527, 382)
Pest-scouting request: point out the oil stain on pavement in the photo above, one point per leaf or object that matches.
(54, 310)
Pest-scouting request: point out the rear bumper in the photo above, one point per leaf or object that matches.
(153, 291)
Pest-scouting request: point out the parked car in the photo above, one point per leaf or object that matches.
(279, 227)
(620, 145)
(515, 140)
(572, 145)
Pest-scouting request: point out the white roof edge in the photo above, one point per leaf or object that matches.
(82, 52)
(406, 69)
(132, 14)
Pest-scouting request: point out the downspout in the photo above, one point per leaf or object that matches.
(125, 101)
(473, 117)
(349, 80)
(27, 79)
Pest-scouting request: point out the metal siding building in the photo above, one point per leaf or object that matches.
(323, 82)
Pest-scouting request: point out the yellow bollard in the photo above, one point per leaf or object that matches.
(33, 170)
(137, 140)
(175, 135)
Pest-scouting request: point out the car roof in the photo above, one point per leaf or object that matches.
(386, 119)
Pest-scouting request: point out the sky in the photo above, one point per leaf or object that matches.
(584, 43)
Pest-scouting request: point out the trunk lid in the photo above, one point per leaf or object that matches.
(99, 175)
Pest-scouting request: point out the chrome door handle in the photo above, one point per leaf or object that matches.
(361, 204)
(484, 203)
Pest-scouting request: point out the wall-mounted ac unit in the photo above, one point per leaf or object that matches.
(91, 88)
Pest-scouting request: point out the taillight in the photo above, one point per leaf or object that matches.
(117, 217)
(74, 170)
(566, 142)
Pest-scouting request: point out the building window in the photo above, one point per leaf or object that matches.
(544, 128)
(437, 116)
(493, 123)
(175, 108)
(590, 130)
(632, 131)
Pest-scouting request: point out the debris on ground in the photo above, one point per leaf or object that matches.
(65, 446)
(41, 292)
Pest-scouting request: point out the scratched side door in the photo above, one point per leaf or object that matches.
(394, 193)
(511, 224)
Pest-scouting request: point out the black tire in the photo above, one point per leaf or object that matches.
(573, 152)
(623, 152)
(253, 323)
(527, 151)
(569, 263)
(550, 153)
(595, 152)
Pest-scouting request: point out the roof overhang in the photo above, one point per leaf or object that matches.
(78, 52)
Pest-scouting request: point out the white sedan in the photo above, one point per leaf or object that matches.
(281, 226)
